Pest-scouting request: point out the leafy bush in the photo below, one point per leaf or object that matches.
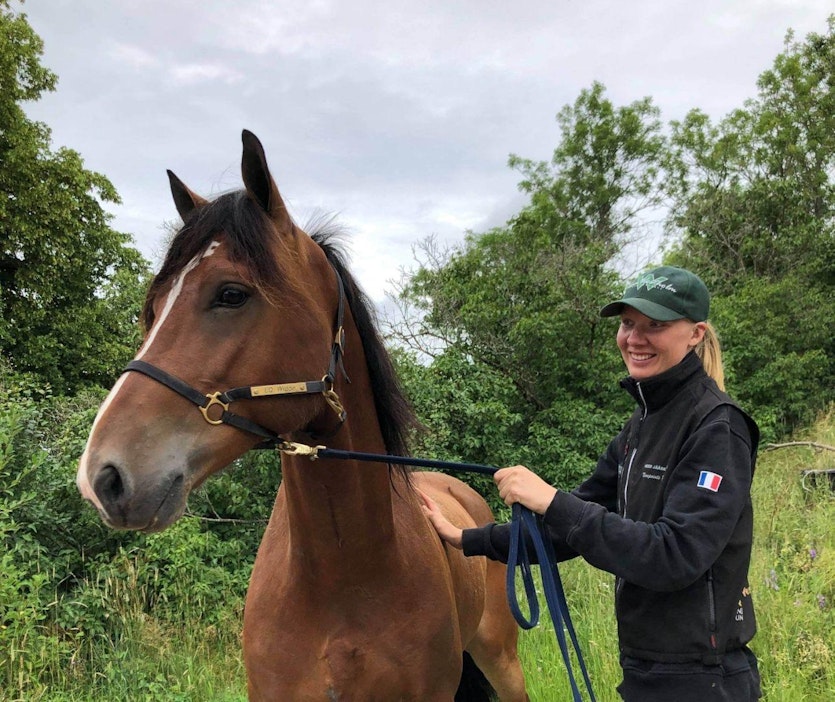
(76, 595)
(25, 597)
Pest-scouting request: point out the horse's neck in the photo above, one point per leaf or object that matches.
(343, 510)
(337, 504)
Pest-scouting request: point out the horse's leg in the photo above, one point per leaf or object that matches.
(494, 646)
(491, 632)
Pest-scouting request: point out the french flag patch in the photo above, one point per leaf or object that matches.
(709, 481)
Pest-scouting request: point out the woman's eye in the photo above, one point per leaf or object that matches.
(231, 297)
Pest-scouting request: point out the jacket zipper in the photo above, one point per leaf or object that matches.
(711, 598)
(634, 448)
(619, 582)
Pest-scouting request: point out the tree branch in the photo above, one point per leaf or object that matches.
(811, 444)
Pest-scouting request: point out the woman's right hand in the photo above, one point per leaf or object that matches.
(446, 529)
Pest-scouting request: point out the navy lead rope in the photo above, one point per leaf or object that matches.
(523, 522)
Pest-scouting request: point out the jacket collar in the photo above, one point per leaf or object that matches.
(657, 391)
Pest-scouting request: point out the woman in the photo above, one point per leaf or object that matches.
(668, 508)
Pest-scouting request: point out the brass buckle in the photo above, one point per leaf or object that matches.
(332, 398)
(214, 399)
(335, 403)
(291, 448)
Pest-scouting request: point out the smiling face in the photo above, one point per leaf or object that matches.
(650, 347)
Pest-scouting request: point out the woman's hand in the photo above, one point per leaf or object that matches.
(519, 484)
(446, 529)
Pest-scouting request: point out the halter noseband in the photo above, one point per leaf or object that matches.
(205, 402)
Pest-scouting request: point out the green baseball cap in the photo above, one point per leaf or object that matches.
(664, 293)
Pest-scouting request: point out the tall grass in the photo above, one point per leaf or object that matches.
(169, 637)
(138, 656)
(793, 570)
(590, 596)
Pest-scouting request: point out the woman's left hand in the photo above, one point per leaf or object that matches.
(519, 484)
(446, 530)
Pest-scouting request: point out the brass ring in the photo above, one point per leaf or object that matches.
(213, 399)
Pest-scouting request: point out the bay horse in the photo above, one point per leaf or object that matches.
(353, 596)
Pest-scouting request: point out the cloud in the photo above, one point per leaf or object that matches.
(134, 57)
(196, 73)
(396, 116)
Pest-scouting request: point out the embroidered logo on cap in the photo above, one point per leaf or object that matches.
(651, 282)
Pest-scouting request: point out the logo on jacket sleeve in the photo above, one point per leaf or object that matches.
(709, 481)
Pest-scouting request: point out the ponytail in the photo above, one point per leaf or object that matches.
(710, 353)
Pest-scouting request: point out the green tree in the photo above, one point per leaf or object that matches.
(515, 309)
(70, 286)
(753, 205)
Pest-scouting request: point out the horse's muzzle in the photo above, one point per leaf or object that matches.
(149, 506)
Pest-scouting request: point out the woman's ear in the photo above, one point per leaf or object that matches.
(699, 329)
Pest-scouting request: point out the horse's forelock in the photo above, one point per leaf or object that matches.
(251, 238)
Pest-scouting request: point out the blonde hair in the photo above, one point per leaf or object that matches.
(710, 353)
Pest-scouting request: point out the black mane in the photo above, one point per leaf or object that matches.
(397, 419)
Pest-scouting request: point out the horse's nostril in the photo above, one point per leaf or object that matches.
(108, 485)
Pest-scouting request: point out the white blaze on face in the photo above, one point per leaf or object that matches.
(82, 477)
(176, 288)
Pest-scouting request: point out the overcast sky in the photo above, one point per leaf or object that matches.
(397, 117)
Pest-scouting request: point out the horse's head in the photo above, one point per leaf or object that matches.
(244, 298)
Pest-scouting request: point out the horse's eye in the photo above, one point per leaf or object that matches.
(231, 297)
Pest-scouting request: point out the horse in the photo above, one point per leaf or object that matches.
(352, 596)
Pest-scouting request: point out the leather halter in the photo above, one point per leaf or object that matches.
(207, 402)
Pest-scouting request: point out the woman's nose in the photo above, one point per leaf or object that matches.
(634, 336)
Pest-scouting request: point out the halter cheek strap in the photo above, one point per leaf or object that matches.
(215, 406)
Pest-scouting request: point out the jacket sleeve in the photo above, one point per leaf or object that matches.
(695, 524)
(493, 540)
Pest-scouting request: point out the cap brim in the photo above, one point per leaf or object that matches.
(650, 309)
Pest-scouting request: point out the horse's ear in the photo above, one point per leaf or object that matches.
(184, 199)
(259, 183)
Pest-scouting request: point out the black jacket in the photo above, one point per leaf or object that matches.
(680, 550)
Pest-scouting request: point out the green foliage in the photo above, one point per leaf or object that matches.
(564, 441)
(70, 286)
(465, 410)
(754, 203)
(80, 603)
(779, 350)
(24, 592)
(21, 75)
(754, 194)
(603, 173)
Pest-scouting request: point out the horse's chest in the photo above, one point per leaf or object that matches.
(343, 670)
(362, 648)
